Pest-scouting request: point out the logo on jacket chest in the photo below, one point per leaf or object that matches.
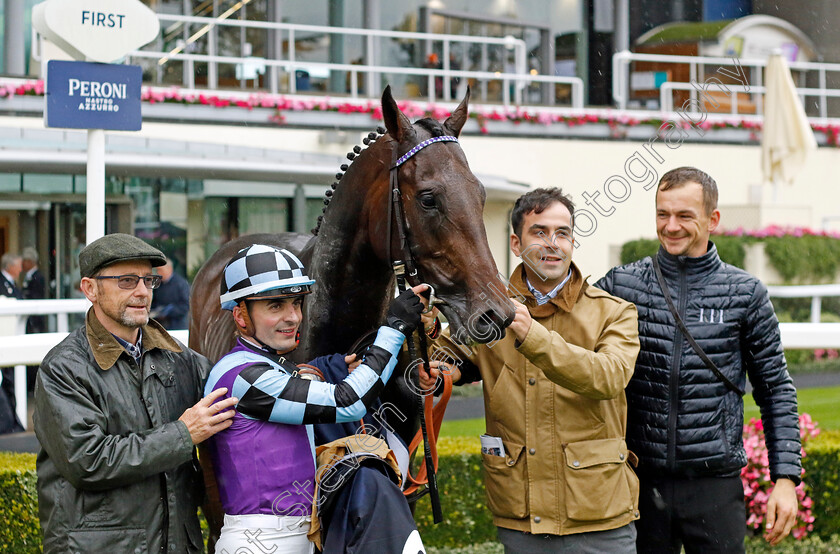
(711, 315)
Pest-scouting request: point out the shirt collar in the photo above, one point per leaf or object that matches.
(7, 276)
(273, 356)
(134, 350)
(545, 298)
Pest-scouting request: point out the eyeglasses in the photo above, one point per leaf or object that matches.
(129, 282)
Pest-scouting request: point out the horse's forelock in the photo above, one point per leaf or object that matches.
(433, 126)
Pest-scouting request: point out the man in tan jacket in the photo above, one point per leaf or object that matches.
(554, 395)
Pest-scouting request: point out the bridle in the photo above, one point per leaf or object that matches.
(406, 271)
(395, 207)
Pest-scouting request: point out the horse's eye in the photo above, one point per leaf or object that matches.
(428, 201)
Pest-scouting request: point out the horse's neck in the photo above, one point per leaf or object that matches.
(349, 303)
(353, 283)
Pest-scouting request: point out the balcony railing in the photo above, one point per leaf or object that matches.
(282, 73)
(703, 72)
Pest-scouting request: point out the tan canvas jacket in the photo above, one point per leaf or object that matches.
(557, 401)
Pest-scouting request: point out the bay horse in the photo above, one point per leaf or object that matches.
(349, 255)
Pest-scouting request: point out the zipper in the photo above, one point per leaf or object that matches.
(674, 378)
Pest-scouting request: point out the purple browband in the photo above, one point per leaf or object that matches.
(422, 145)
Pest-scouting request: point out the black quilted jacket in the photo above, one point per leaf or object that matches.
(682, 419)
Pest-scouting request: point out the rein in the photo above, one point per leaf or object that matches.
(401, 266)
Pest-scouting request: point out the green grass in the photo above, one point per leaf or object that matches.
(821, 403)
(462, 428)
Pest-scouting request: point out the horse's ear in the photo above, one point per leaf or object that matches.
(456, 121)
(398, 125)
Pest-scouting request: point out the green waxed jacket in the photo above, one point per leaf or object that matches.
(117, 471)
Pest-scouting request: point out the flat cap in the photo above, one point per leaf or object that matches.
(116, 247)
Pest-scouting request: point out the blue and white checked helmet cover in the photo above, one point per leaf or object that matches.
(259, 269)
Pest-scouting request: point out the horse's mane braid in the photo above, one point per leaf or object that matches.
(372, 136)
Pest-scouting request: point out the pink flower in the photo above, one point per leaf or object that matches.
(755, 476)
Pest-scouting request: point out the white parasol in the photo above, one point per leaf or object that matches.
(787, 137)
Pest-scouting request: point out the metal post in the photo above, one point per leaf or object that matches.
(521, 65)
(447, 79)
(275, 44)
(547, 61)
(373, 50)
(692, 78)
(292, 67)
(823, 99)
(95, 227)
(582, 51)
(424, 25)
(187, 69)
(20, 395)
(335, 17)
(212, 39)
(242, 40)
(58, 236)
(484, 63)
(622, 26)
(621, 38)
(158, 67)
(816, 309)
(371, 87)
(299, 209)
(13, 38)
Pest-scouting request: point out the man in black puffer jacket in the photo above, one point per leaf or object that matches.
(684, 420)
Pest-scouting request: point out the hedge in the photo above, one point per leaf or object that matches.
(801, 257)
(822, 475)
(466, 519)
(730, 249)
(467, 523)
(19, 532)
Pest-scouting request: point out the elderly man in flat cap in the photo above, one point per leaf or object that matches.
(118, 412)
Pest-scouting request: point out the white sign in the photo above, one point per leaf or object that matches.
(96, 30)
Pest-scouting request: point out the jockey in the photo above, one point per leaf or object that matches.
(265, 462)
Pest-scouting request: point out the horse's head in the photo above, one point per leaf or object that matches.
(443, 204)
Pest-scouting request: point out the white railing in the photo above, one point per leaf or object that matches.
(753, 72)
(22, 309)
(666, 97)
(289, 62)
(20, 350)
(815, 292)
(814, 334)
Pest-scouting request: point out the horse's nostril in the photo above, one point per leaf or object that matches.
(488, 326)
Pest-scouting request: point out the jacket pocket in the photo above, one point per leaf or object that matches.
(125, 540)
(506, 480)
(598, 480)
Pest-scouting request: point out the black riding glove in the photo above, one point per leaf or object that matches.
(404, 313)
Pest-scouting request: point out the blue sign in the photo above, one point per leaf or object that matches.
(83, 95)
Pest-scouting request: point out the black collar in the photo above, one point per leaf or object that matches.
(691, 266)
(271, 355)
